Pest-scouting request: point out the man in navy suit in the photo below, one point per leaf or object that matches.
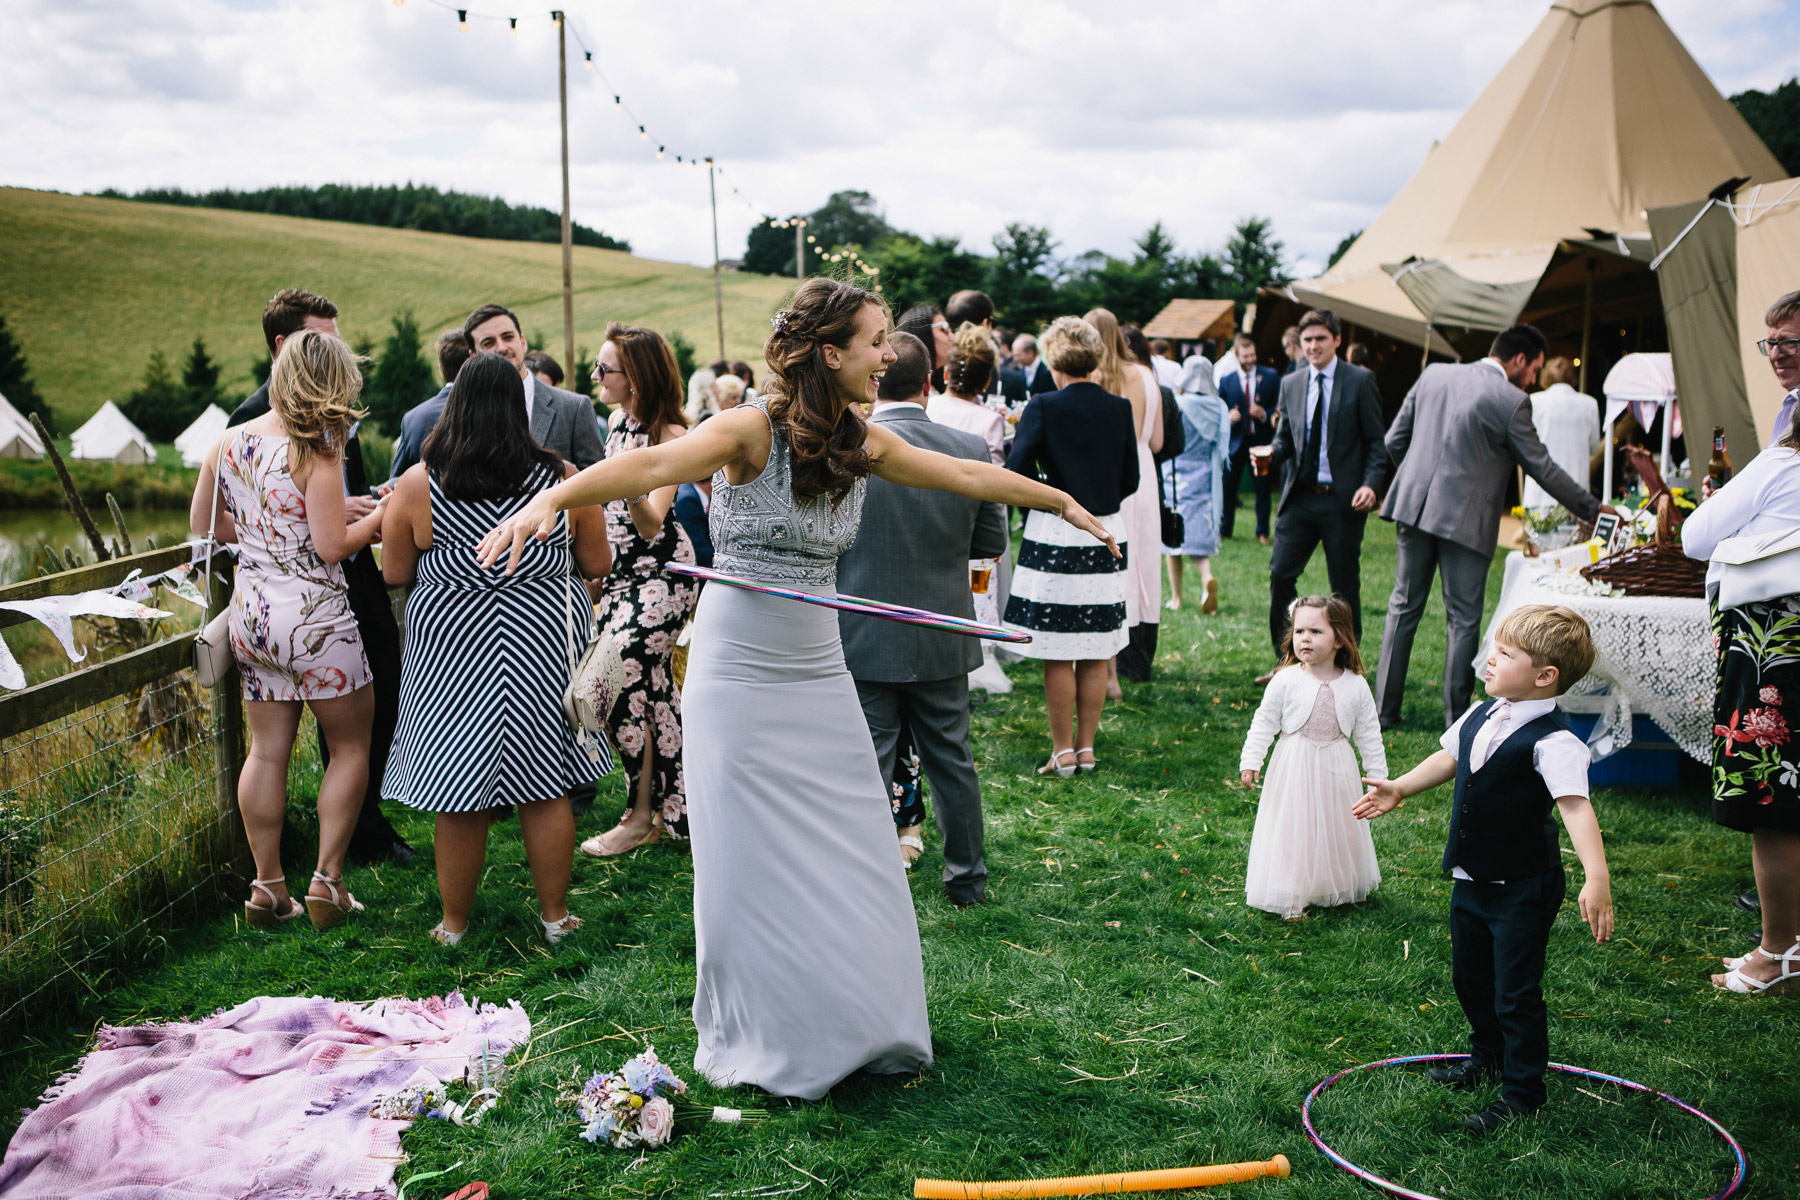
(1028, 376)
(1251, 394)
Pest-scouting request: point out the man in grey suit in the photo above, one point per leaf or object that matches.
(560, 421)
(914, 549)
(1459, 433)
(1330, 434)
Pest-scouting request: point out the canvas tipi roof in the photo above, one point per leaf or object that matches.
(197, 438)
(17, 438)
(1600, 115)
(110, 435)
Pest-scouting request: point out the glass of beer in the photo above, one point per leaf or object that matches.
(979, 578)
(1259, 459)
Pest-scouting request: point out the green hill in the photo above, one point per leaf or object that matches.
(90, 286)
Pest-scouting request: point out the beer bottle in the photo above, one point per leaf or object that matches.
(1718, 471)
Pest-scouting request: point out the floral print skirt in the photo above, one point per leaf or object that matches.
(1756, 756)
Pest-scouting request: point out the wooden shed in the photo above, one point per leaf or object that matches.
(1194, 320)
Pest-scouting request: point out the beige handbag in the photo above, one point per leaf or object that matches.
(1759, 567)
(597, 680)
(212, 645)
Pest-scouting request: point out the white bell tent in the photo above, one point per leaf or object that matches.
(198, 438)
(17, 438)
(109, 436)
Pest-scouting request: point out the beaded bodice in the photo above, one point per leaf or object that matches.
(760, 531)
(1322, 725)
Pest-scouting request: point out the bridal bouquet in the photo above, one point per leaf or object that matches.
(636, 1105)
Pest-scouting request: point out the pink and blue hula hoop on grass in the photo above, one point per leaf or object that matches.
(1742, 1163)
(856, 604)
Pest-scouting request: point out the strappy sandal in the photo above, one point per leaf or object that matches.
(1732, 964)
(328, 912)
(556, 931)
(1055, 765)
(1788, 981)
(1092, 764)
(595, 847)
(264, 916)
(915, 843)
(444, 937)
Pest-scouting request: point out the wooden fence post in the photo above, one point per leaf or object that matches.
(228, 728)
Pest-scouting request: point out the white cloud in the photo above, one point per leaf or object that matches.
(1094, 121)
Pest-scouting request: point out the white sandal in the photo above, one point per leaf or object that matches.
(1732, 964)
(1093, 765)
(444, 937)
(911, 841)
(1055, 767)
(556, 931)
(1788, 981)
(265, 916)
(328, 912)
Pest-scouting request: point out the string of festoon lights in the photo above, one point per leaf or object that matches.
(604, 86)
(847, 255)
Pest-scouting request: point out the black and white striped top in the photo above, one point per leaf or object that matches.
(487, 660)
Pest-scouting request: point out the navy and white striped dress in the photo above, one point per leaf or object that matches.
(487, 660)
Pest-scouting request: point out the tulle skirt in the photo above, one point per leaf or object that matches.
(1307, 847)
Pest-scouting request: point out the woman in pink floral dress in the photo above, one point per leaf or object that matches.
(279, 485)
(645, 607)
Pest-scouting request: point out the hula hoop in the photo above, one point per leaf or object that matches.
(942, 622)
(1394, 1189)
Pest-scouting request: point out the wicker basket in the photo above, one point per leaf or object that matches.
(1657, 568)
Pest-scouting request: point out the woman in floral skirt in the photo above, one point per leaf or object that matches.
(645, 607)
(1756, 712)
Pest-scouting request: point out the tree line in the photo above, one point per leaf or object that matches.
(412, 206)
(1027, 279)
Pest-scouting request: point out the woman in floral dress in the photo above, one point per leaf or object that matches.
(645, 607)
(1756, 711)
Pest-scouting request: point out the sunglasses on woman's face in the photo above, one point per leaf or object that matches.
(601, 370)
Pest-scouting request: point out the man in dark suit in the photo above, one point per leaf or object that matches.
(914, 549)
(1460, 432)
(453, 352)
(1030, 369)
(374, 838)
(1251, 394)
(1329, 438)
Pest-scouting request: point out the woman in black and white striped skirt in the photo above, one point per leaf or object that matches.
(1069, 591)
(487, 653)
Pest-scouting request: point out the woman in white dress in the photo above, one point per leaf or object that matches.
(807, 949)
(1123, 375)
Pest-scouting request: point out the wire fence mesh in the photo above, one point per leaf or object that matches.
(109, 823)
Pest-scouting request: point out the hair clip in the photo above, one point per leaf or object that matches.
(780, 321)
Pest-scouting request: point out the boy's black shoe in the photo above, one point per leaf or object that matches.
(1465, 1076)
(1492, 1117)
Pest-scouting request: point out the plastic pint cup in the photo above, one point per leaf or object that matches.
(979, 578)
(1259, 459)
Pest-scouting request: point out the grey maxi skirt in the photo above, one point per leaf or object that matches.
(807, 944)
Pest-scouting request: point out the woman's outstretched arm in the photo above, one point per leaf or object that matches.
(899, 461)
(724, 439)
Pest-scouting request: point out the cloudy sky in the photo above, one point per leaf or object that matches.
(1092, 118)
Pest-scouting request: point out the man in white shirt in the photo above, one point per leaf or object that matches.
(1168, 371)
(1782, 347)
(1568, 423)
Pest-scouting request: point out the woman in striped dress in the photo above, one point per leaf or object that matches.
(488, 653)
(1069, 590)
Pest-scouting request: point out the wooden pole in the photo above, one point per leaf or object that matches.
(227, 729)
(568, 251)
(712, 189)
(1587, 323)
(799, 250)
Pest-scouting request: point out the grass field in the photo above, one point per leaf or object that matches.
(91, 286)
(1114, 1006)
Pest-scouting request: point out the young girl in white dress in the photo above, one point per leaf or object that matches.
(1307, 848)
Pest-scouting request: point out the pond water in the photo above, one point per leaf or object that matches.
(22, 528)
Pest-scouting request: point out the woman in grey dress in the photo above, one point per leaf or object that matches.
(808, 964)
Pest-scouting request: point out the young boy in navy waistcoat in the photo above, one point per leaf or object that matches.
(1513, 759)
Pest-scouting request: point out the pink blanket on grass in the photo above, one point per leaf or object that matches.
(270, 1099)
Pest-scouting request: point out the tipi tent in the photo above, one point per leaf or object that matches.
(1601, 115)
(197, 438)
(110, 436)
(1721, 262)
(17, 437)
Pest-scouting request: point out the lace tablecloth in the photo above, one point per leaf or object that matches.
(1653, 654)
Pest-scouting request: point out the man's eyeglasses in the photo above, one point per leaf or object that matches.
(1779, 347)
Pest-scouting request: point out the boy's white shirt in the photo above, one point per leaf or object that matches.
(1560, 759)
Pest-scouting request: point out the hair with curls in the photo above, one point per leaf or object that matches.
(1072, 346)
(652, 376)
(313, 388)
(1343, 628)
(825, 436)
(1114, 352)
(971, 365)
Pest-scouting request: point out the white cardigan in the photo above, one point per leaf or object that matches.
(1288, 704)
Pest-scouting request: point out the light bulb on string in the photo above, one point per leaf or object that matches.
(462, 19)
(659, 153)
(514, 22)
(398, 3)
(810, 239)
(642, 134)
(588, 63)
(556, 18)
